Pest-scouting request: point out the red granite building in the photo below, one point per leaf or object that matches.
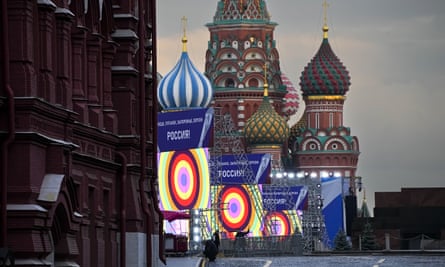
(413, 218)
(77, 121)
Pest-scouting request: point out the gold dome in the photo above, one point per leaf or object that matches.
(266, 126)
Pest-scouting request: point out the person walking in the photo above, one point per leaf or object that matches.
(210, 250)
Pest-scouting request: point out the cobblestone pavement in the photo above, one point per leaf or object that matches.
(328, 261)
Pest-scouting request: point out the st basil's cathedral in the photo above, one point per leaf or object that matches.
(242, 64)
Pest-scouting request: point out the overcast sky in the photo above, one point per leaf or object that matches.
(395, 53)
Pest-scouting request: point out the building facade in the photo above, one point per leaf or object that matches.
(321, 143)
(243, 64)
(242, 57)
(77, 131)
(241, 45)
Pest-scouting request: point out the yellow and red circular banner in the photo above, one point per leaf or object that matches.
(281, 223)
(278, 223)
(239, 213)
(184, 181)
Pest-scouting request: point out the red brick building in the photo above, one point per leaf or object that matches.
(77, 117)
(413, 218)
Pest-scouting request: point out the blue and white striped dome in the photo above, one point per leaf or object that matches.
(184, 86)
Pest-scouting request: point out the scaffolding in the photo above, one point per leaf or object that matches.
(227, 140)
(315, 236)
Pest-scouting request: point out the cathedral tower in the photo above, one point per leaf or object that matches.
(266, 131)
(320, 143)
(241, 43)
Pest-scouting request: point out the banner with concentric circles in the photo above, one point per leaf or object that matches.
(281, 223)
(184, 179)
(240, 212)
(277, 223)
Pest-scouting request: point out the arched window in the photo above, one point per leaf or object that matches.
(230, 83)
(253, 82)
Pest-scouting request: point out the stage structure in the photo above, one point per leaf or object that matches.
(228, 145)
(184, 138)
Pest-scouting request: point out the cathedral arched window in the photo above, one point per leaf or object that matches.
(235, 44)
(253, 82)
(246, 44)
(312, 146)
(230, 83)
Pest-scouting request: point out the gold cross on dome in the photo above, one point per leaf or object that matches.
(184, 37)
(325, 18)
(325, 12)
(184, 24)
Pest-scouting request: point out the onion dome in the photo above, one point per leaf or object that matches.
(325, 73)
(291, 98)
(184, 86)
(266, 126)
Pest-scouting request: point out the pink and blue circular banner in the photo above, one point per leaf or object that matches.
(240, 212)
(184, 179)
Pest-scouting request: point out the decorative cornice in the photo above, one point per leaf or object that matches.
(325, 97)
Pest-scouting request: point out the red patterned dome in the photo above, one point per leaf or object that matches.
(291, 99)
(325, 74)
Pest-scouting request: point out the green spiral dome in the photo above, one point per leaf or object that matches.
(266, 126)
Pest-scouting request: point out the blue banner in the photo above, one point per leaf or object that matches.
(331, 192)
(278, 198)
(183, 130)
(233, 169)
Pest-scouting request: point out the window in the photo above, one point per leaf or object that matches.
(317, 120)
(230, 83)
(331, 120)
(253, 82)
